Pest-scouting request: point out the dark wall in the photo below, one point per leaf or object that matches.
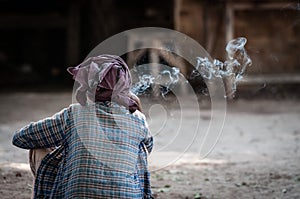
(32, 43)
(272, 28)
(35, 44)
(273, 39)
(39, 40)
(102, 19)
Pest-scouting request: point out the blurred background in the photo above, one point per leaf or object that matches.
(39, 40)
(257, 155)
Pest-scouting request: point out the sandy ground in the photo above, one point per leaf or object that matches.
(257, 154)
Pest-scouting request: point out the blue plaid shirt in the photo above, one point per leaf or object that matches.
(101, 152)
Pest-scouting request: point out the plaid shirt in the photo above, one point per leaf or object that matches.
(101, 152)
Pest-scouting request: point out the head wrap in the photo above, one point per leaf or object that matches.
(103, 78)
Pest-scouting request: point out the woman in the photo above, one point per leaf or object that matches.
(98, 146)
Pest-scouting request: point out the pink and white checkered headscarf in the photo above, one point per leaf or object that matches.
(103, 78)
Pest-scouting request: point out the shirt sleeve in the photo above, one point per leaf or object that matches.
(148, 141)
(45, 133)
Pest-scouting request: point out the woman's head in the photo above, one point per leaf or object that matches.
(103, 78)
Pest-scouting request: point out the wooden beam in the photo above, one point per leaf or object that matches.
(229, 23)
(288, 5)
(32, 21)
(270, 79)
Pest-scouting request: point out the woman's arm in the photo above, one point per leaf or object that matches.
(45, 133)
(148, 141)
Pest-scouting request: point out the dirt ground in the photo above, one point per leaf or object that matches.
(257, 154)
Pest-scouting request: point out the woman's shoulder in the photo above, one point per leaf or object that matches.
(139, 114)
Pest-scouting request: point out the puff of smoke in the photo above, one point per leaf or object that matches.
(232, 70)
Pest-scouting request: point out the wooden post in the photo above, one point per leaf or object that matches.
(229, 23)
(229, 27)
(73, 33)
(177, 10)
